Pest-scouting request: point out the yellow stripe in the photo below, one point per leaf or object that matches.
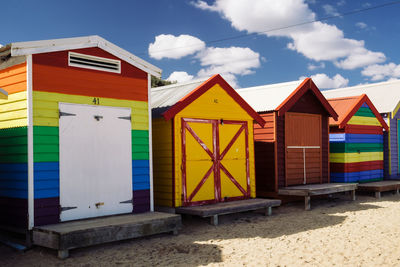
(13, 111)
(358, 120)
(394, 112)
(45, 108)
(355, 157)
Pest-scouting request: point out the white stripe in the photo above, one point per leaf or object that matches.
(31, 196)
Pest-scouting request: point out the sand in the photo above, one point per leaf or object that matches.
(336, 232)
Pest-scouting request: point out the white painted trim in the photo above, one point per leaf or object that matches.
(303, 147)
(150, 144)
(36, 47)
(31, 196)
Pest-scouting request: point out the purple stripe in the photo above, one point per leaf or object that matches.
(47, 211)
(141, 201)
(14, 212)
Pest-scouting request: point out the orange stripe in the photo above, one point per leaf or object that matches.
(13, 79)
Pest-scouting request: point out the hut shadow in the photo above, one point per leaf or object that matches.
(156, 250)
(286, 220)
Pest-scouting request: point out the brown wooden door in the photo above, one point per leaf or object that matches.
(303, 157)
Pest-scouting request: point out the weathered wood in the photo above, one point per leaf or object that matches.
(214, 220)
(381, 186)
(75, 234)
(307, 203)
(317, 189)
(268, 211)
(63, 254)
(353, 195)
(377, 194)
(309, 190)
(229, 207)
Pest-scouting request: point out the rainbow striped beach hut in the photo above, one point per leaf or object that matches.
(356, 140)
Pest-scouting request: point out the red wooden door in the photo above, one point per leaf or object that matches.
(303, 154)
(215, 161)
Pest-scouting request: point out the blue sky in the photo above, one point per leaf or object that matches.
(181, 37)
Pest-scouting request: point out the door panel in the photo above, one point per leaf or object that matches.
(303, 148)
(234, 155)
(215, 163)
(95, 161)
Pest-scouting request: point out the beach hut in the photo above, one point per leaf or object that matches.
(74, 132)
(356, 140)
(293, 146)
(203, 144)
(386, 98)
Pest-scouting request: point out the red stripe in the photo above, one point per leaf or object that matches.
(356, 166)
(231, 143)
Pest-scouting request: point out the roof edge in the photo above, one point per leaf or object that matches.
(53, 45)
(205, 86)
(306, 85)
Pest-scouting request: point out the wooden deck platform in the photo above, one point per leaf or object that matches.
(214, 210)
(317, 189)
(75, 234)
(381, 186)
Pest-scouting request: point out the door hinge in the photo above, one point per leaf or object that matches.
(67, 208)
(126, 201)
(60, 113)
(125, 118)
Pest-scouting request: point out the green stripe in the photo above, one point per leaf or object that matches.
(45, 144)
(14, 149)
(13, 145)
(140, 144)
(355, 147)
(365, 112)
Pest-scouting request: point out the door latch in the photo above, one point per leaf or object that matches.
(98, 117)
(98, 204)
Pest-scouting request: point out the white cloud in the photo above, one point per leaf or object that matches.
(360, 59)
(330, 10)
(361, 25)
(323, 81)
(314, 67)
(379, 72)
(316, 41)
(180, 77)
(175, 47)
(228, 62)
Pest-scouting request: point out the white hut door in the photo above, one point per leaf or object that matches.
(95, 161)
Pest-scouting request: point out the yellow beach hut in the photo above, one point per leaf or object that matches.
(202, 144)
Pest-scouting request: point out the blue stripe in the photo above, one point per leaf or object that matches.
(356, 138)
(140, 175)
(356, 176)
(14, 180)
(364, 105)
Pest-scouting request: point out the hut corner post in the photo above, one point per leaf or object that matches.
(150, 143)
(31, 197)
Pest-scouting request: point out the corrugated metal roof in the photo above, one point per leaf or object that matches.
(342, 106)
(385, 96)
(268, 97)
(169, 95)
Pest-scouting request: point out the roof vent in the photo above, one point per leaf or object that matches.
(94, 63)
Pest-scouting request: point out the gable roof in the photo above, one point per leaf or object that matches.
(384, 95)
(174, 98)
(346, 107)
(45, 46)
(282, 96)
